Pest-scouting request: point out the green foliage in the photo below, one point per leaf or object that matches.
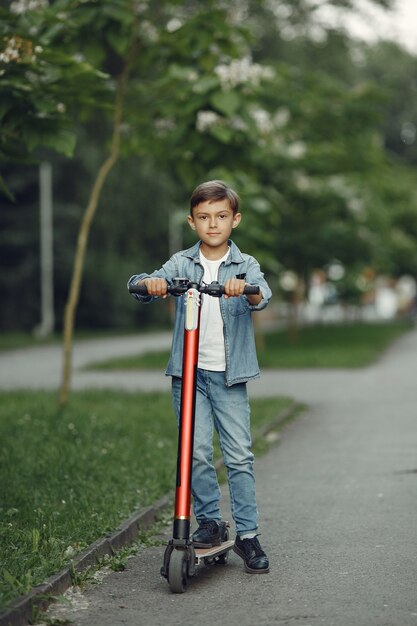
(41, 86)
(305, 130)
(393, 67)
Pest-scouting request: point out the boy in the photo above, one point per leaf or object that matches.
(226, 361)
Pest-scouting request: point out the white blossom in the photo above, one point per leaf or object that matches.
(408, 133)
(356, 205)
(237, 123)
(338, 183)
(279, 9)
(341, 186)
(17, 50)
(214, 49)
(205, 120)
(242, 71)
(164, 125)
(140, 7)
(173, 25)
(296, 150)
(192, 76)
(18, 7)
(78, 57)
(281, 117)
(302, 181)
(11, 51)
(149, 31)
(262, 120)
(238, 11)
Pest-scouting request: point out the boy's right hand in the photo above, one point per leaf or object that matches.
(156, 286)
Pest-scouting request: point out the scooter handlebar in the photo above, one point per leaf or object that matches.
(181, 286)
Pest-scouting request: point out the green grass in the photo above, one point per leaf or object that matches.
(69, 476)
(347, 345)
(147, 360)
(14, 341)
(17, 340)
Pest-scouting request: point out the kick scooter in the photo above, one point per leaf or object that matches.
(181, 558)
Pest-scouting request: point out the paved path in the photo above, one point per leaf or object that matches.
(338, 514)
(40, 367)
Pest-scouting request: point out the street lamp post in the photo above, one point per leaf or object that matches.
(47, 323)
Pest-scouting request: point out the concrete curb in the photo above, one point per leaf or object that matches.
(21, 610)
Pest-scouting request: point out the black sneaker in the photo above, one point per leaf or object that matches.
(255, 559)
(207, 534)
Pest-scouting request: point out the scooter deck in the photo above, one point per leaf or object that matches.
(208, 553)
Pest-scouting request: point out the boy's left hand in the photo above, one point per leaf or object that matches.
(233, 287)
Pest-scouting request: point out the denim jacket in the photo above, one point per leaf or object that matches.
(241, 360)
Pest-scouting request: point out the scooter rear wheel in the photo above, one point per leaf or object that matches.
(178, 571)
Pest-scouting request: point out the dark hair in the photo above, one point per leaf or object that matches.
(212, 191)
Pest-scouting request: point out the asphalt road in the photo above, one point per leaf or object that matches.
(338, 507)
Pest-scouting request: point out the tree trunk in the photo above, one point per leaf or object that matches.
(83, 234)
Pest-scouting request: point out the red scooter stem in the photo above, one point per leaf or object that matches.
(182, 509)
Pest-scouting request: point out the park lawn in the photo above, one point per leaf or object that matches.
(68, 476)
(344, 345)
(19, 340)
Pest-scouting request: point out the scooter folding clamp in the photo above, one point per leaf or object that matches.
(192, 302)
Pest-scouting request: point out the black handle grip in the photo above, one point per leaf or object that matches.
(138, 288)
(216, 290)
(179, 287)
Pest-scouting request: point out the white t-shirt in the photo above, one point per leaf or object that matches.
(211, 354)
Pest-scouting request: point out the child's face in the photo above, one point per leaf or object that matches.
(213, 222)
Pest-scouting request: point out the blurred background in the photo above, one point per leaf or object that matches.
(112, 111)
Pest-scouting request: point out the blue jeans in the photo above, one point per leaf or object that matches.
(227, 410)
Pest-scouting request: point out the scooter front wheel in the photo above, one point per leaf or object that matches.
(178, 571)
